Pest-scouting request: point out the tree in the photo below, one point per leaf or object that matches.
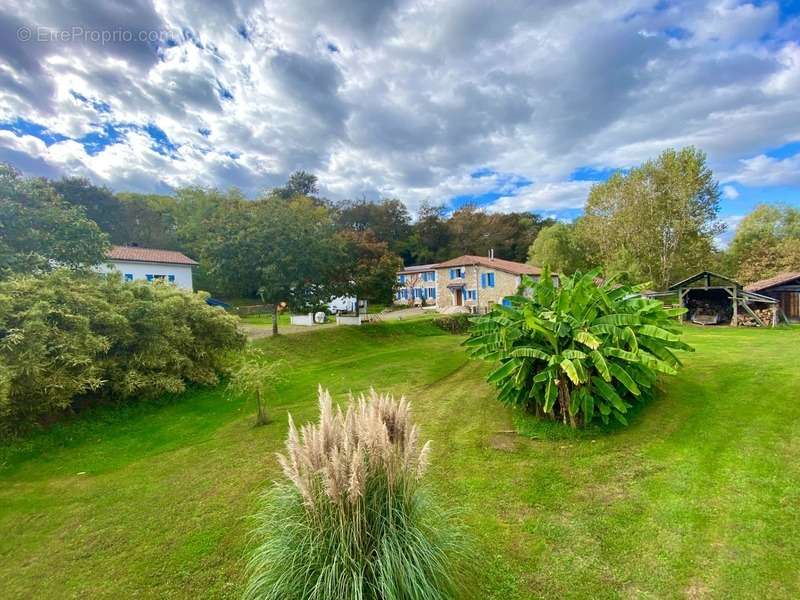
(659, 220)
(41, 231)
(100, 204)
(148, 221)
(301, 183)
(370, 268)
(255, 376)
(559, 247)
(767, 242)
(430, 236)
(388, 220)
(282, 251)
(578, 350)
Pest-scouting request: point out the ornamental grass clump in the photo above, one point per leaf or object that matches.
(354, 520)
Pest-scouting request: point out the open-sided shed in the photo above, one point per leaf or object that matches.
(712, 299)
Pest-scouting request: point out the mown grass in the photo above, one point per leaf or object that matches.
(699, 497)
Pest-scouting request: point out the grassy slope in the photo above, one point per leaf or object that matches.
(698, 497)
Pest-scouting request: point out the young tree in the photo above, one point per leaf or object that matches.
(300, 183)
(100, 204)
(256, 376)
(659, 220)
(39, 230)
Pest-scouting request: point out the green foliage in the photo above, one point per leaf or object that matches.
(39, 230)
(369, 268)
(456, 324)
(657, 221)
(255, 376)
(767, 241)
(558, 247)
(586, 349)
(354, 521)
(66, 339)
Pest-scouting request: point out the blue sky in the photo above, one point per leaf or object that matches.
(519, 106)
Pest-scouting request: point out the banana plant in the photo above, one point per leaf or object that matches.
(585, 349)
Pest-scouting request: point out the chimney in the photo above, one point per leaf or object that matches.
(491, 254)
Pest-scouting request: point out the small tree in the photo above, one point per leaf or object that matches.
(255, 376)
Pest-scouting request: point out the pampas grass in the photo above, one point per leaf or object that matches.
(353, 520)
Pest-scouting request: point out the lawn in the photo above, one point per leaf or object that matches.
(699, 497)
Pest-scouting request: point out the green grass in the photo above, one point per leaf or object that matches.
(266, 319)
(699, 497)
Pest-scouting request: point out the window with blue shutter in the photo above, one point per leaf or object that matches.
(128, 276)
(483, 280)
(401, 278)
(490, 279)
(171, 278)
(432, 293)
(149, 277)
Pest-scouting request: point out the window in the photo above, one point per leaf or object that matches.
(401, 278)
(432, 293)
(472, 294)
(149, 277)
(171, 278)
(128, 276)
(456, 273)
(487, 280)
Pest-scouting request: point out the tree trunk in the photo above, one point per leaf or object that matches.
(275, 319)
(564, 402)
(358, 312)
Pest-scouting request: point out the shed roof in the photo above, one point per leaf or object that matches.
(419, 268)
(150, 255)
(701, 275)
(778, 279)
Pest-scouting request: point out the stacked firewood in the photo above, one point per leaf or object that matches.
(746, 319)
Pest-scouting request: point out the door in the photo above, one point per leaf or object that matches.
(790, 303)
(459, 299)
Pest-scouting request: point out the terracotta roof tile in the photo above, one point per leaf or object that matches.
(151, 255)
(778, 279)
(509, 266)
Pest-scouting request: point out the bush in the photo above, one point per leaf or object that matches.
(353, 520)
(456, 324)
(67, 338)
(586, 349)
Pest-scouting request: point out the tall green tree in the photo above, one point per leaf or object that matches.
(370, 268)
(100, 204)
(148, 221)
(282, 251)
(300, 183)
(39, 230)
(657, 221)
(388, 219)
(767, 241)
(559, 247)
(430, 236)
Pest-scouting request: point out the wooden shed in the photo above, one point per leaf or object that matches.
(785, 288)
(712, 299)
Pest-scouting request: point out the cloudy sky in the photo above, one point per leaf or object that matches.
(517, 105)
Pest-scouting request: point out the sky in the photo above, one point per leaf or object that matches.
(514, 105)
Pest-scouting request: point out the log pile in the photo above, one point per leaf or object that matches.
(746, 320)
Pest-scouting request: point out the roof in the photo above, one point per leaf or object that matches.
(419, 268)
(778, 279)
(149, 255)
(700, 275)
(509, 266)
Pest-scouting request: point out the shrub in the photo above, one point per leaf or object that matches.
(67, 338)
(456, 324)
(353, 520)
(254, 376)
(586, 349)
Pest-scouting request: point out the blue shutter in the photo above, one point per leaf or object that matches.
(506, 302)
(171, 278)
(483, 280)
(128, 276)
(149, 277)
(490, 279)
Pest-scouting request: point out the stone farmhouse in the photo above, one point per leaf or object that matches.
(467, 283)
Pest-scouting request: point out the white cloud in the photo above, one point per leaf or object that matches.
(547, 196)
(763, 170)
(404, 98)
(730, 192)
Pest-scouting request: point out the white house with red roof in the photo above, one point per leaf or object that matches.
(149, 264)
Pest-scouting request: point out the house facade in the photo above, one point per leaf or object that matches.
(417, 286)
(149, 264)
(474, 283)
